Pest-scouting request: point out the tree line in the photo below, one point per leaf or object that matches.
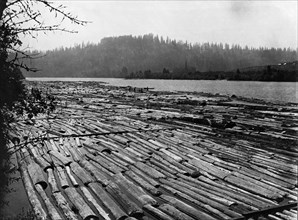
(154, 57)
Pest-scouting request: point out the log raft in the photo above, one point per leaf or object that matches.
(113, 155)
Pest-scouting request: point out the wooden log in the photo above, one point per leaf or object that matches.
(222, 192)
(144, 176)
(252, 188)
(132, 218)
(204, 200)
(47, 145)
(149, 144)
(93, 201)
(121, 163)
(118, 139)
(208, 167)
(171, 164)
(113, 169)
(64, 160)
(135, 153)
(78, 142)
(99, 176)
(54, 145)
(264, 185)
(62, 177)
(101, 169)
(206, 194)
(243, 195)
(135, 191)
(111, 160)
(141, 147)
(38, 158)
(52, 180)
(205, 207)
(149, 170)
(124, 157)
(109, 203)
(162, 169)
(71, 177)
(64, 205)
(36, 205)
(62, 150)
(173, 212)
(182, 206)
(171, 155)
(108, 143)
(157, 144)
(74, 154)
(81, 173)
(143, 183)
(129, 206)
(84, 210)
(95, 147)
(157, 213)
(36, 174)
(52, 211)
(266, 174)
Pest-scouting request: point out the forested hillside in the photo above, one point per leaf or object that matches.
(128, 56)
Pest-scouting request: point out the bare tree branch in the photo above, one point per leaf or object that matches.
(18, 17)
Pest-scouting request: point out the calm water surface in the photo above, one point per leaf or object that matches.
(271, 91)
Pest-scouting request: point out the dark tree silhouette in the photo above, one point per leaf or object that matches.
(20, 18)
(107, 58)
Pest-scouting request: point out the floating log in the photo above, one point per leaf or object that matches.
(52, 180)
(71, 177)
(175, 213)
(136, 191)
(171, 155)
(157, 213)
(74, 154)
(196, 155)
(187, 208)
(143, 183)
(129, 206)
(108, 202)
(144, 176)
(53, 213)
(63, 160)
(149, 170)
(99, 176)
(36, 174)
(113, 168)
(243, 184)
(64, 205)
(81, 173)
(124, 157)
(84, 210)
(62, 177)
(217, 202)
(36, 205)
(92, 200)
(54, 146)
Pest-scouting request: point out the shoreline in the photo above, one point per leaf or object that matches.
(150, 153)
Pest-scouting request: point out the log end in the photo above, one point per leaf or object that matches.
(43, 184)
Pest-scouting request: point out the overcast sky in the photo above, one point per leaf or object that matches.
(252, 23)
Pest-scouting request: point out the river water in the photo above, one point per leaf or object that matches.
(270, 91)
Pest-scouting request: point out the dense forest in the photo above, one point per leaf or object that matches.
(151, 56)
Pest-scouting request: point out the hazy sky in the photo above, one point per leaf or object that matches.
(252, 23)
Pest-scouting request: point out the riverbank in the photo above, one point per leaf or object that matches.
(119, 152)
